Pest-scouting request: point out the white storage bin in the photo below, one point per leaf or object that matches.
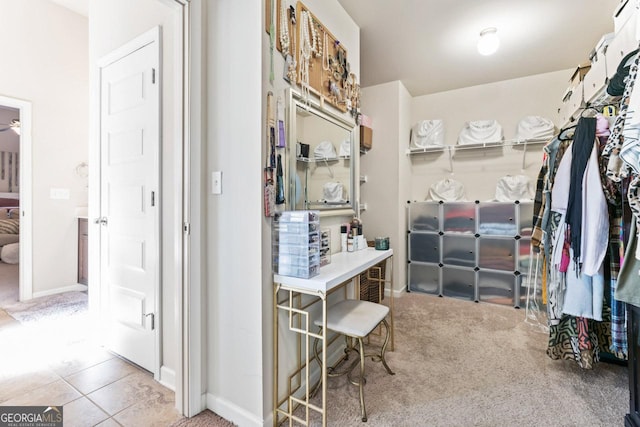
(424, 247)
(497, 219)
(424, 278)
(573, 103)
(626, 11)
(497, 253)
(525, 219)
(497, 288)
(596, 79)
(424, 216)
(459, 217)
(459, 250)
(459, 283)
(623, 43)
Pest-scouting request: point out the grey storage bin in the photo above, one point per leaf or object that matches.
(459, 217)
(497, 253)
(497, 219)
(424, 278)
(424, 216)
(424, 247)
(525, 219)
(497, 288)
(459, 283)
(525, 257)
(459, 250)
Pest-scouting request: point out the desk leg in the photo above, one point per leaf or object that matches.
(391, 304)
(275, 356)
(324, 361)
(298, 387)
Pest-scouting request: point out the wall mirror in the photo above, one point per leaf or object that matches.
(321, 167)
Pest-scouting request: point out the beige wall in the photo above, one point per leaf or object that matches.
(387, 170)
(113, 24)
(507, 102)
(45, 61)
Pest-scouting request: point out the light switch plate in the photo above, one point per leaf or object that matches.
(60, 193)
(216, 182)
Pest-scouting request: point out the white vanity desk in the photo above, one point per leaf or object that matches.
(288, 299)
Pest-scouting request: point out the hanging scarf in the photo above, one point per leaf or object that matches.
(582, 146)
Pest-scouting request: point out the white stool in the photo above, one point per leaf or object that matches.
(357, 319)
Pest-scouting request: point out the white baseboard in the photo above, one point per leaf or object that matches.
(70, 288)
(396, 292)
(232, 412)
(168, 378)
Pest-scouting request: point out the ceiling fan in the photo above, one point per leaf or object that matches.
(14, 126)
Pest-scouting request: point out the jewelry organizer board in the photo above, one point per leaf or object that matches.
(319, 78)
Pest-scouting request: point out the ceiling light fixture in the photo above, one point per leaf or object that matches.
(14, 126)
(489, 42)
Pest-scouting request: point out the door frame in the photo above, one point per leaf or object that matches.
(189, 317)
(26, 190)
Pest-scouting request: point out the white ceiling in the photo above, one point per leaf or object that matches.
(430, 45)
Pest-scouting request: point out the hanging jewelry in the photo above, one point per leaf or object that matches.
(325, 53)
(285, 40)
(305, 53)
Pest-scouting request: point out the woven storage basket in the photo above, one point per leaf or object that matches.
(372, 281)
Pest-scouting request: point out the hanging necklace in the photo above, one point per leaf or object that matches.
(285, 40)
(305, 53)
(325, 53)
(291, 72)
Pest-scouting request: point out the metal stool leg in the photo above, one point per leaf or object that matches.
(363, 410)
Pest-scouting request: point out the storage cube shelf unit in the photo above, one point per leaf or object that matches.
(476, 251)
(296, 243)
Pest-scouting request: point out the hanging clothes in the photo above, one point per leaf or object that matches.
(579, 296)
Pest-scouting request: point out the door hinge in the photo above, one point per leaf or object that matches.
(153, 320)
(153, 198)
(153, 75)
(186, 228)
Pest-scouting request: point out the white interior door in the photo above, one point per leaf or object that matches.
(129, 204)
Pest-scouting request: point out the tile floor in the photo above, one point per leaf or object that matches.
(54, 364)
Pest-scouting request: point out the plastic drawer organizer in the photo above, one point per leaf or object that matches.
(296, 243)
(470, 250)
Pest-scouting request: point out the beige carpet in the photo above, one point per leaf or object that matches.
(460, 363)
(203, 419)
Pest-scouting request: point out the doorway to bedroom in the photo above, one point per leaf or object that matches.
(9, 205)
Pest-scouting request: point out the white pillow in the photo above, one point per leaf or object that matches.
(10, 253)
